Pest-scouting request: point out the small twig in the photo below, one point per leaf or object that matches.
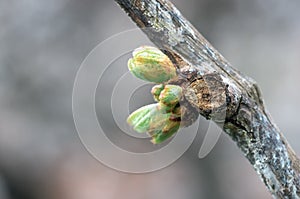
(246, 121)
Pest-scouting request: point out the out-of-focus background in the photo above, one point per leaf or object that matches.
(42, 44)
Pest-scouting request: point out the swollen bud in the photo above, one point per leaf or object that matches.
(154, 120)
(150, 64)
(170, 95)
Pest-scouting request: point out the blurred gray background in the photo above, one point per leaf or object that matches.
(42, 44)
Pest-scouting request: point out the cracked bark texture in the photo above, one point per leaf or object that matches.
(221, 93)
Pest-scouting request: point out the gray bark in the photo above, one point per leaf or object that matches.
(214, 88)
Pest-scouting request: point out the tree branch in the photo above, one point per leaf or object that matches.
(214, 87)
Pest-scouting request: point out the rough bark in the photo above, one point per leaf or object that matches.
(214, 88)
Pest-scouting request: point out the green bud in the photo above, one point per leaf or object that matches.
(170, 129)
(141, 119)
(170, 95)
(156, 90)
(150, 64)
(149, 118)
(156, 121)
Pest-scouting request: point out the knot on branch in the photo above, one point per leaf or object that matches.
(208, 95)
